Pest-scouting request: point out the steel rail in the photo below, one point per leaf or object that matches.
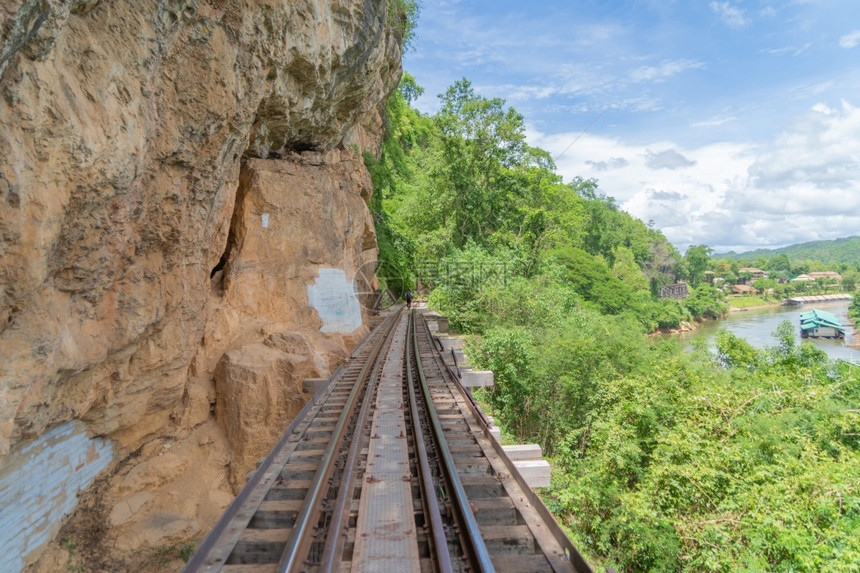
(303, 525)
(474, 539)
(251, 496)
(242, 508)
(437, 527)
(333, 543)
(570, 550)
(455, 374)
(253, 492)
(438, 343)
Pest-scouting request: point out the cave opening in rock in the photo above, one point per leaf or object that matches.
(225, 257)
(232, 239)
(299, 146)
(221, 262)
(290, 147)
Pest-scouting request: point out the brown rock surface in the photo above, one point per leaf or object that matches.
(292, 217)
(140, 144)
(254, 403)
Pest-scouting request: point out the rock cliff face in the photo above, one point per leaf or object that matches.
(182, 204)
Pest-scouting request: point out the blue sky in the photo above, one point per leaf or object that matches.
(731, 123)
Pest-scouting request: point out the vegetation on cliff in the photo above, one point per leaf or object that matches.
(403, 17)
(734, 459)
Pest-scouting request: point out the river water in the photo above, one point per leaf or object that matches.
(757, 325)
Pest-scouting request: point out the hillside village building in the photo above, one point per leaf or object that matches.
(826, 275)
(756, 273)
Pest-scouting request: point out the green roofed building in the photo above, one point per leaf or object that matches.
(820, 324)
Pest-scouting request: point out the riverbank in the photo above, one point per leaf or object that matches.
(683, 327)
(733, 308)
(750, 302)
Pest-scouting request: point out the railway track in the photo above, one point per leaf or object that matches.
(390, 468)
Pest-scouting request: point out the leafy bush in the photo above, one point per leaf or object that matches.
(705, 302)
(689, 468)
(854, 309)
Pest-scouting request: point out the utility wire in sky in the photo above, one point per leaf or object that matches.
(578, 137)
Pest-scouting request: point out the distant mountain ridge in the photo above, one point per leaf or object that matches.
(844, 250)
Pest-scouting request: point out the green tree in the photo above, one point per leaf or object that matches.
(854, 309)
(704, 302)
(406, 131)
(627, 271)
(764, 285)
(697, 258)
(483, 153)
(591, 278)
(779, 263)
(801, 268)
(608, 227)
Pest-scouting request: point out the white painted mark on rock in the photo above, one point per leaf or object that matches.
(336, 301)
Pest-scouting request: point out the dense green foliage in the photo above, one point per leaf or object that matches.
(841, 254)
(743, 460)
(734, 460)
(854, 309)
(461, 200)
(698, 257)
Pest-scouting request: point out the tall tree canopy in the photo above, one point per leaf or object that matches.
(661, 457)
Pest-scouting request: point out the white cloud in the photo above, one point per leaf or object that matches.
(851, 40)
(667, 159)
(818, 161)
(730, 14)
(664, 70)
(612, 163)
(517, 93)
(802, 185)
(808, 91)
(789, 50)
(666, 196)
(713, 122)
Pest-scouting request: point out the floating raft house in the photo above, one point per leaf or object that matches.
(817, 298)
(820, 324)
